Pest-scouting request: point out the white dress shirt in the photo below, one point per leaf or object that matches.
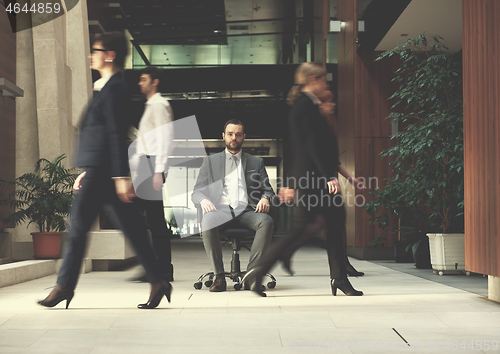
(156, 131)
(242, 187)
(99, 84)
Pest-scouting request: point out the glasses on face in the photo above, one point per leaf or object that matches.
(93, 50)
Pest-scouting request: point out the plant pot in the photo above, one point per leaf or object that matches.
(401, 255)
(47, 245)
(447, 252)
(422, 255)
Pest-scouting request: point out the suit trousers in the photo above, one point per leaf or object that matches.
(98, 190)
(160, 234)
(304, 218)
(222, 219)
(151, 202)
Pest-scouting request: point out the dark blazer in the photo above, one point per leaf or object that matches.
(211, 186)
(104, 129)
(314, 147)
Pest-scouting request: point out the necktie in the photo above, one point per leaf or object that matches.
(233, 182)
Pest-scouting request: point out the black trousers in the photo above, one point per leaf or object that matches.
(160, 233)
(151, 202)
(98, 190)
(329, 209)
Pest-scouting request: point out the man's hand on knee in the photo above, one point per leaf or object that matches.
(263, 206)
(207, 206)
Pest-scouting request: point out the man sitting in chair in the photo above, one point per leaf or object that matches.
(233, 190)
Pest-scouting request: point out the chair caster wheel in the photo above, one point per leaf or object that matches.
(208, 283)
(198, 285)
(271, 284)
(237, 286)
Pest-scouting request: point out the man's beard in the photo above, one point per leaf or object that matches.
(237, 147)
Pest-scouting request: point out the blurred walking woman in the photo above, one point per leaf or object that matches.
(313, 175)
(102, 154)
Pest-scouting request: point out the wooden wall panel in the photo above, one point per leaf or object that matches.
(373, 87)
(382, 170)
(363, 89)
(481, 69)
(347, 12)
(7, 107)
(369, 165)
(364, 167)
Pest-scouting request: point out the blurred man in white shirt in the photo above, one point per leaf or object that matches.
(155, 136)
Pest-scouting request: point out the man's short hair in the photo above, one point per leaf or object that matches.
(153, 72)
(235, 122)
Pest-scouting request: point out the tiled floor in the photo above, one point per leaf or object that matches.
(399, 313)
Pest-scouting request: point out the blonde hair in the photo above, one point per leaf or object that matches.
(301, 74)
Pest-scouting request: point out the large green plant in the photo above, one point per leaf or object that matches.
(42, 197)
(426, 190)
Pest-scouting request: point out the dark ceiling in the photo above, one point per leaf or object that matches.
(170, 22)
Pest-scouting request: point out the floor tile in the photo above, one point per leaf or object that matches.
(400, 313)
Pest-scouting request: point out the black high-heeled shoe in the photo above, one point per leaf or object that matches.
(255, 277)
(287, 266)
(345, 286)
(165, 289)
(352, 272)
(64, 295)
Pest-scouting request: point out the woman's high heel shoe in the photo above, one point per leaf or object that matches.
(287, 266)
(345, 286)
(352, 272)
(64, 295)
(165, 289)
(255, 277)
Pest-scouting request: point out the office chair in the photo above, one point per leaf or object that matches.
(234, 236)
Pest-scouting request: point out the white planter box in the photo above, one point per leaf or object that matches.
(447, 252)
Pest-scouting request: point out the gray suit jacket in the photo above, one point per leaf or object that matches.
(210, 182)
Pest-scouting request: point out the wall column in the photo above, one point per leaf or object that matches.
(363, 89)
(481, 71)
(53, 69)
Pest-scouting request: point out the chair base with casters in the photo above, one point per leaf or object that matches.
(235, 237)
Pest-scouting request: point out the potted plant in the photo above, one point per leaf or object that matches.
(426, 190)
(43, 198)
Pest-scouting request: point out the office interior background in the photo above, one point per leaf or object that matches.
(227, 59)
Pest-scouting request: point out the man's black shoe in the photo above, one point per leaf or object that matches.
(219, 284)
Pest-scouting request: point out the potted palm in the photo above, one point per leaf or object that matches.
(43, 198)
(426, 190)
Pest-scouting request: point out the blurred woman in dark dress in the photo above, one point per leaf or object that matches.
(313, 178)
(327, 110)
